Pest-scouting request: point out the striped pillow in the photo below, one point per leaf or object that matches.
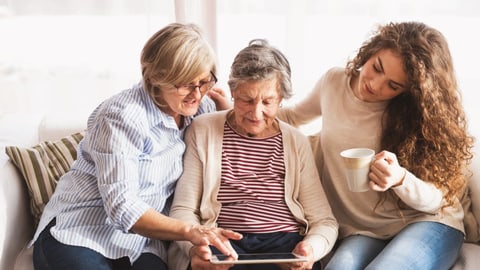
(42, 165)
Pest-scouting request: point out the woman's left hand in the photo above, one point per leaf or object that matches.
(303, 249)
(385, 172)
(200, 259)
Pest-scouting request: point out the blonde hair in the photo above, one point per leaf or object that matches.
(175, 55)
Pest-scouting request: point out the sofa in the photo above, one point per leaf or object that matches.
(17, 222)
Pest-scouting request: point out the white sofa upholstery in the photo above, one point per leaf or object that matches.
(16, 225)
(16, 222)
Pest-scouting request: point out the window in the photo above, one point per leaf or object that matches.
(317, 35)
(67, 55)
(81, 52)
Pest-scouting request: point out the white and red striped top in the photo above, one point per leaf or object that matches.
(252, 191)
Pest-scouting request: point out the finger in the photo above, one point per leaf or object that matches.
(233, 252)
(381, 164)
(389, 157)
(231, 234)
(384, 154)
(378, 174)
(217, 91)
(299, 265)
(217, 238)
(304, 249)
(300, 250)
(375, 187)
(212, 92)
(224, 247)
(203, 252)
(378, 178)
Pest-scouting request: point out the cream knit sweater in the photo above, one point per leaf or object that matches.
(349, 122)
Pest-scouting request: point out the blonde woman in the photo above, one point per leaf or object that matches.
(110, 210)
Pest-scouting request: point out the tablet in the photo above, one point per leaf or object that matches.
(256, 258)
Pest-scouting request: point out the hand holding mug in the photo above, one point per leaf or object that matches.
(386, 172)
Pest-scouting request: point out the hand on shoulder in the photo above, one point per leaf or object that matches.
(220, 98)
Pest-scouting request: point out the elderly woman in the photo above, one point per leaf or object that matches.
(249, 172)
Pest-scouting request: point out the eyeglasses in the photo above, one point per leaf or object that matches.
(186, 89)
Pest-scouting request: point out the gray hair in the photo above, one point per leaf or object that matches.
(260, 61)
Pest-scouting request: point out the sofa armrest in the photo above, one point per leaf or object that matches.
(16, 223)
(474, 183)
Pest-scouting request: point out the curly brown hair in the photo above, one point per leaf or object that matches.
(425, 126)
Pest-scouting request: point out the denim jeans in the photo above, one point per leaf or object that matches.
(49, 254)
(421, 245)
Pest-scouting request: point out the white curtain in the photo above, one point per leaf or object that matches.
(201, 12)
(69, 55)
(316, 35)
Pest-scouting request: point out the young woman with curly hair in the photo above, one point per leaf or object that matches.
(398, 96)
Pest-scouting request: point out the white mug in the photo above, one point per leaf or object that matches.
(357, 165)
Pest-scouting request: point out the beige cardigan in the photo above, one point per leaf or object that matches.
(195, 198)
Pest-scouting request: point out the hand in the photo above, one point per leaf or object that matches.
(220, 98)
(217, 237)
(199, 259)
(385, 172)
(303, 249)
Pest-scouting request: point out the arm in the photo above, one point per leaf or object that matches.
(118, 144)
(153, 224)
(114, 145)
(195, 183)
(386, 173)
(419, 194)
(306, 110)
(312, 206)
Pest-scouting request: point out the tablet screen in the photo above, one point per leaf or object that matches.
(258, 258)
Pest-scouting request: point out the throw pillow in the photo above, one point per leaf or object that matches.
(42, 165)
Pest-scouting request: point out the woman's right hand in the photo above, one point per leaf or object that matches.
(220, 98)
(217, 237)
(199, 261)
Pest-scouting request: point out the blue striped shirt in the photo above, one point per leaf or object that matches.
(128, 162)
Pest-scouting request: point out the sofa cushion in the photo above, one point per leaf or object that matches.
(468, 257)
(42, 165)
(474, 183)
(470, 220)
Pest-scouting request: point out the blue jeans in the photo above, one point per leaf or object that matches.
(49, 254)
(421, 245)
(264, 243)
